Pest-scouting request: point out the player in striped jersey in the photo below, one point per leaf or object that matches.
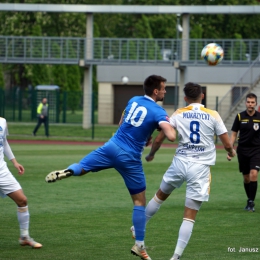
(196, 126)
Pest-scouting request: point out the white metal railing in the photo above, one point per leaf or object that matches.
(69, 50)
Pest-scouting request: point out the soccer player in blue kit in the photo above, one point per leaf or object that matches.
(124, 150)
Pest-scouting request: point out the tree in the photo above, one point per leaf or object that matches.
(237, 51)
(118, 26)
(2, 82)
(73, 86)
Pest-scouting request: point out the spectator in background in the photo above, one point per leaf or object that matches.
(42, 115)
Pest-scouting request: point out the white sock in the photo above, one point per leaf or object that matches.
(23, 219)
(184, 235)
(152, 207)
(140, 244)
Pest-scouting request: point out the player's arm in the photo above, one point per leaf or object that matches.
(149, 141)
(9, 154)
(155, 146)
(167, 131)
(224, 138)
(233, 138)
(18, 166)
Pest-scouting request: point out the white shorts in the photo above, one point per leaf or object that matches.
(196, 175)
(8, 183)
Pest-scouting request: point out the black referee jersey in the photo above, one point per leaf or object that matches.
(248, 128)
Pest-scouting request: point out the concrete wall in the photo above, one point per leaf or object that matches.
(218, 80)
(105, 103)
(200, 74)
(136, 74)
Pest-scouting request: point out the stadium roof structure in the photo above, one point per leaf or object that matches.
(134, 9)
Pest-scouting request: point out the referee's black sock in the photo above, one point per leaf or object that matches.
(253, 189)
(247, 189)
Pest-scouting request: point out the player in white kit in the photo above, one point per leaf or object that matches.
(9, 186)
(196, 126)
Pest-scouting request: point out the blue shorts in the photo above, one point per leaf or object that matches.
(112, 156)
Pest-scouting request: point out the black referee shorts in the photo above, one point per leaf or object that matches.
(248, 159)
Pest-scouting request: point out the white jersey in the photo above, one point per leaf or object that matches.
(3, 134)
(196, 126)
(8, 183)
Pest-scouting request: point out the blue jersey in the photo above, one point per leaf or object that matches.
(141, 117)
(123, 151)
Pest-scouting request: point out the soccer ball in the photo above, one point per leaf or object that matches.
(212, 53)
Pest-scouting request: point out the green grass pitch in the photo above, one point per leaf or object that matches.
(89, 217)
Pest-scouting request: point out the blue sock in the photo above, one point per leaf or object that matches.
(76, 168)
(139, 222)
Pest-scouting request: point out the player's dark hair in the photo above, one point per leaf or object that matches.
(251, 95)
(151, 83)
(192, 90)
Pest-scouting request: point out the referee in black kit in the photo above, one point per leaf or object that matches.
(247, 123)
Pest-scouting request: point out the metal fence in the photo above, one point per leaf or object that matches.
(52, 50)
(17, 105)
(68, 50)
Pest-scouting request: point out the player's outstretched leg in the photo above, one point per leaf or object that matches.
(58, 175)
